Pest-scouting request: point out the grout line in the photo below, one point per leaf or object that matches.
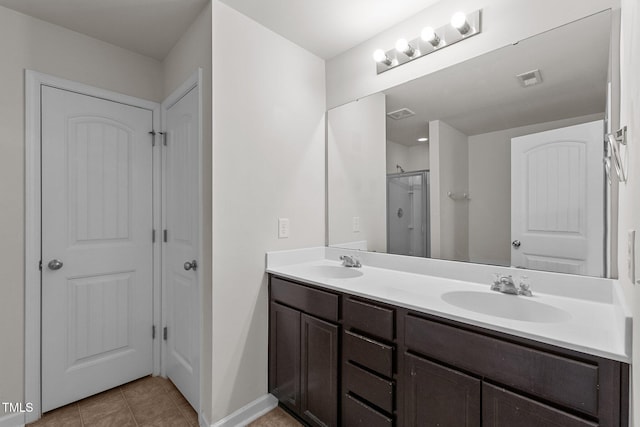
(126, 402)
(175, 403)
(79, 412)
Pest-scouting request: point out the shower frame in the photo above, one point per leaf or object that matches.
(425, 198)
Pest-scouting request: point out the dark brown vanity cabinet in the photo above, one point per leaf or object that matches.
(340, 360)
(459, 375)
(303, 353)
(439, 396)
(368, 364)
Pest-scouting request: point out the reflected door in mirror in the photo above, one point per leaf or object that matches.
(557, 212)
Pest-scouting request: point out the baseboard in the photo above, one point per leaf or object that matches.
(249, 412)
(12, 420)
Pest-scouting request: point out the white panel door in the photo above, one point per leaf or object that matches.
(181, 216)
(97, 221)
(557, 200)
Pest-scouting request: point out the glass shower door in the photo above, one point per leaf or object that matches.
(408, 214)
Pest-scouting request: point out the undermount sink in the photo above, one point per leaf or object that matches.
(506, 306)
(335, 272)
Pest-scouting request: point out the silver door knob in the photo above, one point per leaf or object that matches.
(516, 244)
(55, 264)
(193, 265)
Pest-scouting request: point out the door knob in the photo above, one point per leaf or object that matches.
(193, 265)
(516, 244)
(55, 264)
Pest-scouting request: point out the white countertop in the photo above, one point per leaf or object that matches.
(597, 326)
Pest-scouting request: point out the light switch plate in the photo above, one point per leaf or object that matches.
(631, 255)
(356, 224)
(283, 228)
(636, 268)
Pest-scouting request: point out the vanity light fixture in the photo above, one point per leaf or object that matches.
(460, 23)
(461, 27)
(380, 57)
(429, 35)
(403, 46)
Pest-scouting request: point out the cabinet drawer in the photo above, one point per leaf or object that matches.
(368, 386)
(357, 414)
(367, 352)
(312, 301)
(501, 408)
(569, 382)
(370, 318)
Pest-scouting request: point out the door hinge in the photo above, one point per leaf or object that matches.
(153, 236)
(153, 332)
(164, 333)
(153, 138)
(40, 265)
(163, 135)
(165, 235)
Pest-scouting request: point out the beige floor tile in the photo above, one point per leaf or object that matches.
(275, 418)
(67, 416)
(189, 413)
(147, 402)
(120, 419)
(142, 396)
(159, 406)
(177, 397)
(174, 420)
(143, 386)
(102, 405)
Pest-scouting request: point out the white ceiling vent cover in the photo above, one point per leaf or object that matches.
(400, 114)
(530, 78)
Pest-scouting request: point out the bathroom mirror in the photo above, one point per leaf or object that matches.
(496, 160)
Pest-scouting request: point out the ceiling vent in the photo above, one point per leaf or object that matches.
(400, 114)
(530, 78)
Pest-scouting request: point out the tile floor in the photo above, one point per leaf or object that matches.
(275, 418)
(147, 402)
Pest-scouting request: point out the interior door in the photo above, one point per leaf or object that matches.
(557, 200)
(181, 254)
(96, 245)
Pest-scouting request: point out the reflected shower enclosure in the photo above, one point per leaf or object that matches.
(408, 214)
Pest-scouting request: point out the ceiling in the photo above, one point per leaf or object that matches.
(483, 95)
(152, 27)
(328, 27)
(148, 27)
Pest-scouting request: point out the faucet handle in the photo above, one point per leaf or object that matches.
(495, 286)
(350, 261)
(524, 287)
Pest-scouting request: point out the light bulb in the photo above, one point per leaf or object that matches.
(423, 139)
(429, 35)
(403, 46)
(380, 56)
(459, 22)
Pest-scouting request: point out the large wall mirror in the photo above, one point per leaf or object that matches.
(496, 160)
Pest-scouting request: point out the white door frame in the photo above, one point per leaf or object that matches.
(33, 236)
(194, 81)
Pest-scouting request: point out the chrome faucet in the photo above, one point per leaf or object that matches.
(350, 261)
(506, 285)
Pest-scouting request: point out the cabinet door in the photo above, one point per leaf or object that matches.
(284, 355)
(319, 376)
(439, 396)
(502, 408)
